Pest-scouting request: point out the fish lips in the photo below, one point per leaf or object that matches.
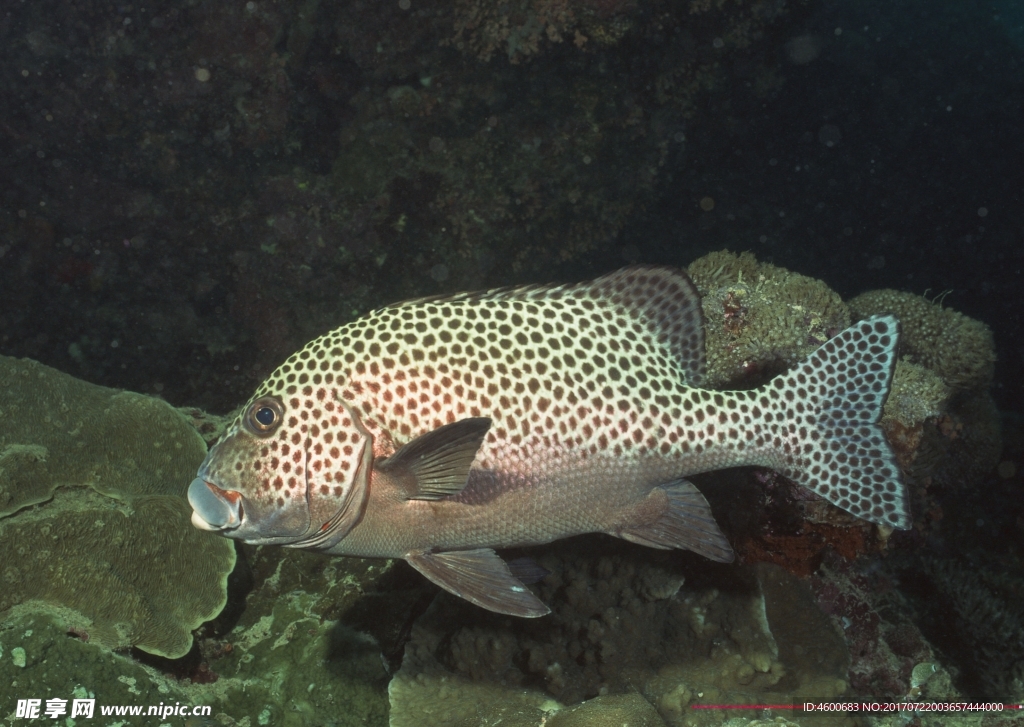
(221, 511)
(214, 509)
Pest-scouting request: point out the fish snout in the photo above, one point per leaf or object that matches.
(213, 508)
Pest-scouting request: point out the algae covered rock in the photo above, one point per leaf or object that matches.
(612, 710)
(94, 525)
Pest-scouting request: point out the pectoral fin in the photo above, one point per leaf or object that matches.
(437, 463)
(482, 578)
(684, 520)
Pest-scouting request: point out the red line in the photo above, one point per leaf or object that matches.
(795, 706)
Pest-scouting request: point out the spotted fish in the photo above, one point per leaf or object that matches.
(439, 429)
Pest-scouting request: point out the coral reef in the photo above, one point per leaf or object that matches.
(57, 432)
(120, 577)
(624, 621)
(974, 615)
(284, 668)
(93, 523)
(957, 348)
(884, 649)
(760, 319)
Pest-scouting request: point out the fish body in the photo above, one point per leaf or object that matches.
(437, 430)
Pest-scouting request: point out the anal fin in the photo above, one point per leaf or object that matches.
(685, 521)
(480, 577)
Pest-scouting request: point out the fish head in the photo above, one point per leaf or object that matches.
(291, 470)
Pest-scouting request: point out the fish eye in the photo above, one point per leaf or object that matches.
(264, 415)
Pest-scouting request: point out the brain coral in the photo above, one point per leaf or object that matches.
(93, 521)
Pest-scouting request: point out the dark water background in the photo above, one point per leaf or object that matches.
(180, 234)
(127, 258)
(190, 190)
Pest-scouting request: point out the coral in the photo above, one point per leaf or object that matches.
(957, 348)
(136, 576)
(917, 399)
(884, 650)
(520, 28)
(918, 394)
(624, 621)
(92, 485)
(57, 431)
(760, 319)
(284, 668)
(974, 614)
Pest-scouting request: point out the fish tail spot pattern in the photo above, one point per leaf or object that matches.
(827, 433)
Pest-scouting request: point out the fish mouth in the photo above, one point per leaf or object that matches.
(214, 509)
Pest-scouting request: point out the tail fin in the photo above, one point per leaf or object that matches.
(829, 439)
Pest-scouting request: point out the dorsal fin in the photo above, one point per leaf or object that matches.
(439, 460)
(668, 301)
(663, 298)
